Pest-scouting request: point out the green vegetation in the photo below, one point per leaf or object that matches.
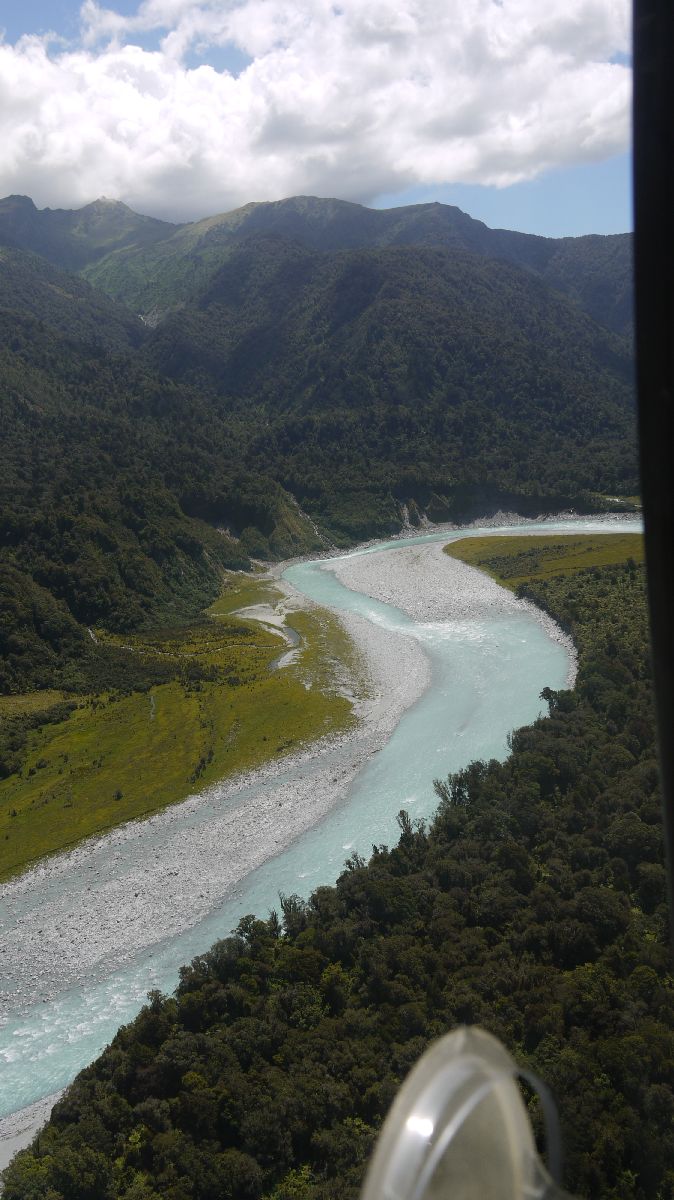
(595, 272)
(75, 239)
(98, 521)
(512, 561)
(533, 905)
(202, 705)
(306, 371)
(359, 397)
(150, 264)
(309, 370)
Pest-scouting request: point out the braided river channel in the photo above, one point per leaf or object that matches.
(484, 676)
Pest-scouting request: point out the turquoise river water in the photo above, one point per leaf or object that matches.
(486, 678)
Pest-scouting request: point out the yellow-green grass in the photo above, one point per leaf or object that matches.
(121, 757)
(515, 560)
(243, 589)
(29, 702)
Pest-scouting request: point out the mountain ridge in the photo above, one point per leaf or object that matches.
(113, 246)
(72, 238)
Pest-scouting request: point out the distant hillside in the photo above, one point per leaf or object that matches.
(595, 271)
(406, 370)
(152, 264)
(31, 288)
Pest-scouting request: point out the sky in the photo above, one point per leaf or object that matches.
(517, 111)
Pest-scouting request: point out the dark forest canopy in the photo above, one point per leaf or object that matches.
(303, 372)
(533, 905)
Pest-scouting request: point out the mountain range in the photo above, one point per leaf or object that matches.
(139, 259)
(178, 398)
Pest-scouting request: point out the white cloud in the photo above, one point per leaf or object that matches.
(346, 98)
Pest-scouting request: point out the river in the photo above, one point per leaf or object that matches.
(486, 674)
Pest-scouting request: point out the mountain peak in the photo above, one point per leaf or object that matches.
(74, 238)
(17, 203)
(106, 202)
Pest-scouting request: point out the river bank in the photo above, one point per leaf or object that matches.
(18, 1129)
(85, 913)
(114, 907)
(430, 586)
(81, 916)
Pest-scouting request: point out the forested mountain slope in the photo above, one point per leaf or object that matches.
(302, 363)
(42, 297)
(534, 905)
(409, 371)
(95, 466)
(595, 271)
(74, 238)
(152, 264)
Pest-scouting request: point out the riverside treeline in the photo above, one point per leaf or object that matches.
(534, 905)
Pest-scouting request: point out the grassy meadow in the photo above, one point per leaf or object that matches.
(512, 561)
(119, 756)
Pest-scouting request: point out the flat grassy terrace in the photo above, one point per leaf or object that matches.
(512, 561)
(120, 756)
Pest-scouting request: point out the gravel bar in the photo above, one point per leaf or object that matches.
(81, 915)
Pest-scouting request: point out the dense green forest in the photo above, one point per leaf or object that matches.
(99, 456)
(534, 905)
(304, 374)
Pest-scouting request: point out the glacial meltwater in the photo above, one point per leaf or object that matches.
(486, 678)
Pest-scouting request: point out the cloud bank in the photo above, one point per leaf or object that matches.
(194, 106)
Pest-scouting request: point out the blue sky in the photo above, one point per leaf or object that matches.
(520, 120)
(567, 202)
(43, 16)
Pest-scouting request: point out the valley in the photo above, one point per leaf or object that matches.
(255, 696)
(86, 921)
(305, 375)
(393, 788)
